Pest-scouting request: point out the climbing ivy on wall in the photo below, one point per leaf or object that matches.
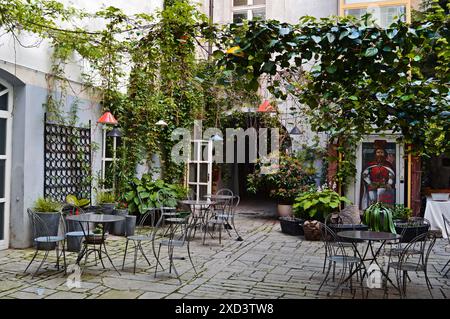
(145, 68)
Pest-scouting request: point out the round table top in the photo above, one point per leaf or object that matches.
(215, 196)
(96, 218)
(349, 226)
(368, 235)
(197, 202)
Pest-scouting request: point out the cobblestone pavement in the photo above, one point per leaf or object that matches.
(266, 264)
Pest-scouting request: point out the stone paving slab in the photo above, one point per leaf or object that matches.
(267, 264)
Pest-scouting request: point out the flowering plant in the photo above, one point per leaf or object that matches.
(285, 182)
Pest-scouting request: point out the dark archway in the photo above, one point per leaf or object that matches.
(234, 175)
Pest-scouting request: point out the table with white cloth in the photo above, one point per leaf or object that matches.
(434, 211)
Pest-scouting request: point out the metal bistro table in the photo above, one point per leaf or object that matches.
(199, 209)
(91, 239)
(370, 236)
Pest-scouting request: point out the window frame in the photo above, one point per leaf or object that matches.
(247, 8)
(384, 3)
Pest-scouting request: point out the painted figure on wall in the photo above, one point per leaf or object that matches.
(378, 175)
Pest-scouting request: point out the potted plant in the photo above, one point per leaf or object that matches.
(107, 201)
(400, 213)
(314, 205)
(411, 228)
(379, 217)
(141, 194)
(49, 211)
(285, 181)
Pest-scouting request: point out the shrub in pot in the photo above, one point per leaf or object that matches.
(314, 205)
(107, 201)
(49, 211)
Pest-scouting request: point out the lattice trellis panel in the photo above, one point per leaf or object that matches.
(67, 157)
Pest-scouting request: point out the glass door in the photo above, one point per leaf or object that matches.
(5, 155)
(200, 168)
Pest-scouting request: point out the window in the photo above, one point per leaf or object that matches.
(248, 10)
(384, 12)
(109, 145)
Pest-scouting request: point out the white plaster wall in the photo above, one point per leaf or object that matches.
(37, 58)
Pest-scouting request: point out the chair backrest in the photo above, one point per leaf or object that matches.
(417, 251)
(446, 227)
(141, 227)
(165, 199)
(332, 242)
(225, 191)
(40, 227)
(179, 232)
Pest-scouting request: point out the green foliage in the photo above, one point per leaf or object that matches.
(105, 197)
(47, 205)
(364, 79)
(288, 179)
(142, 194)
(318, 203)
(379, 217)
(73, 200)
(399, 211)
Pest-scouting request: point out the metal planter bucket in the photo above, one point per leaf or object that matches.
(119, 227)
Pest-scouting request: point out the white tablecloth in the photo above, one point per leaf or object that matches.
(433, 213)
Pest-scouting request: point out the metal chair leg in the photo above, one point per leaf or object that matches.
(125, 254)
(142, 251)
(135, 257)
(325, 278)
(64, 259)
(190, 258)
(32, 259)
(157, 258)
(40, 265)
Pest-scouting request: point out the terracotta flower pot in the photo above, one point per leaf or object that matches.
(284, 210)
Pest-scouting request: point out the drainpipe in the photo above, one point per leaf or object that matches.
(211, 21)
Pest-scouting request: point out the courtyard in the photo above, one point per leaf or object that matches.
(267, 264)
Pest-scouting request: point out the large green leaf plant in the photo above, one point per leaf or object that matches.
(318, 203)
(143, 194)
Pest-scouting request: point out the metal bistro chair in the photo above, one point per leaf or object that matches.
(223, 214)
(336, 254)
(73, 228)
(178, 237)
(44, 240)
(397, 248)
(142, 235)
(335, 221)
(409, 262)
(447, 231)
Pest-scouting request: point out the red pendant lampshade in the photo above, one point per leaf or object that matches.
(266, 107)
(107, 118)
